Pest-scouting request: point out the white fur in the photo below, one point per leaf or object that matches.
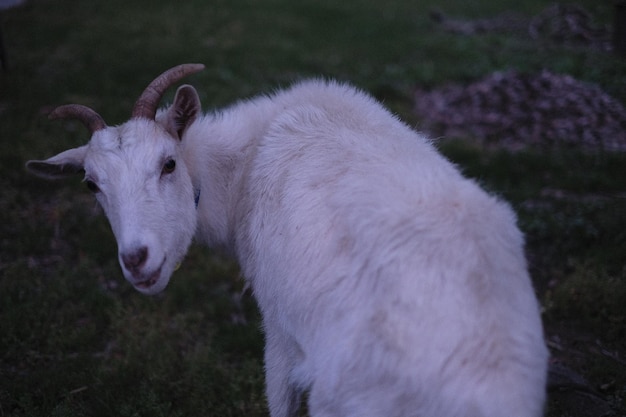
(389, 284)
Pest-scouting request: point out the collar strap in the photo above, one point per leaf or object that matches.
(196, 197)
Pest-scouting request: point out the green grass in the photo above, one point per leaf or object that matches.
(76, 340)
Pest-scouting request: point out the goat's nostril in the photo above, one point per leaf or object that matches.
(134, 260)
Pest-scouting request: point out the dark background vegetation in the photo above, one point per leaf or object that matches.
(76, 340)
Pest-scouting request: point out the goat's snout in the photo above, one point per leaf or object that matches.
(135, 259)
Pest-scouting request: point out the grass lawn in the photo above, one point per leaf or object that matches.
(77, 340)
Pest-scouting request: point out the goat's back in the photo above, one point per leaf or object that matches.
(399, 279)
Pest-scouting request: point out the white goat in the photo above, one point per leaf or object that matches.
(389, 284)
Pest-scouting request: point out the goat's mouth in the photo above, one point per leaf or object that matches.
(144, 285)
(152, 279)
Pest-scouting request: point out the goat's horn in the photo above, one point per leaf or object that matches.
(92, 120)
(147, 103)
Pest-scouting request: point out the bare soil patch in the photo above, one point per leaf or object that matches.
(517, 110)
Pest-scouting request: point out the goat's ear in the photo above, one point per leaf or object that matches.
(183, 112)
(62, 165)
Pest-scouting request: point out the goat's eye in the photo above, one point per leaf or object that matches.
(169, 166)
(92, 186)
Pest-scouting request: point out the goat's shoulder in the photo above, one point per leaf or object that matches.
(336, 100)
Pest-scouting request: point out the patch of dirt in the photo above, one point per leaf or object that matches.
(517, 110)
(565, 24)
(570, 394)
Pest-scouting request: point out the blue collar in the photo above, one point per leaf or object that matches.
(196, 197)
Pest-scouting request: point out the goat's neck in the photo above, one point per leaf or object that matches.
(218, 150)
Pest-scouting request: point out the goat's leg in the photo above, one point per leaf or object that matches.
(281, 356)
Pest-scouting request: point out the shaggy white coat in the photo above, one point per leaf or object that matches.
(389, 284)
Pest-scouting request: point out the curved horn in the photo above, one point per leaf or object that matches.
(148, 101)
(92, 120)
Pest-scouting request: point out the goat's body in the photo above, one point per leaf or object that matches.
(389, 284)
